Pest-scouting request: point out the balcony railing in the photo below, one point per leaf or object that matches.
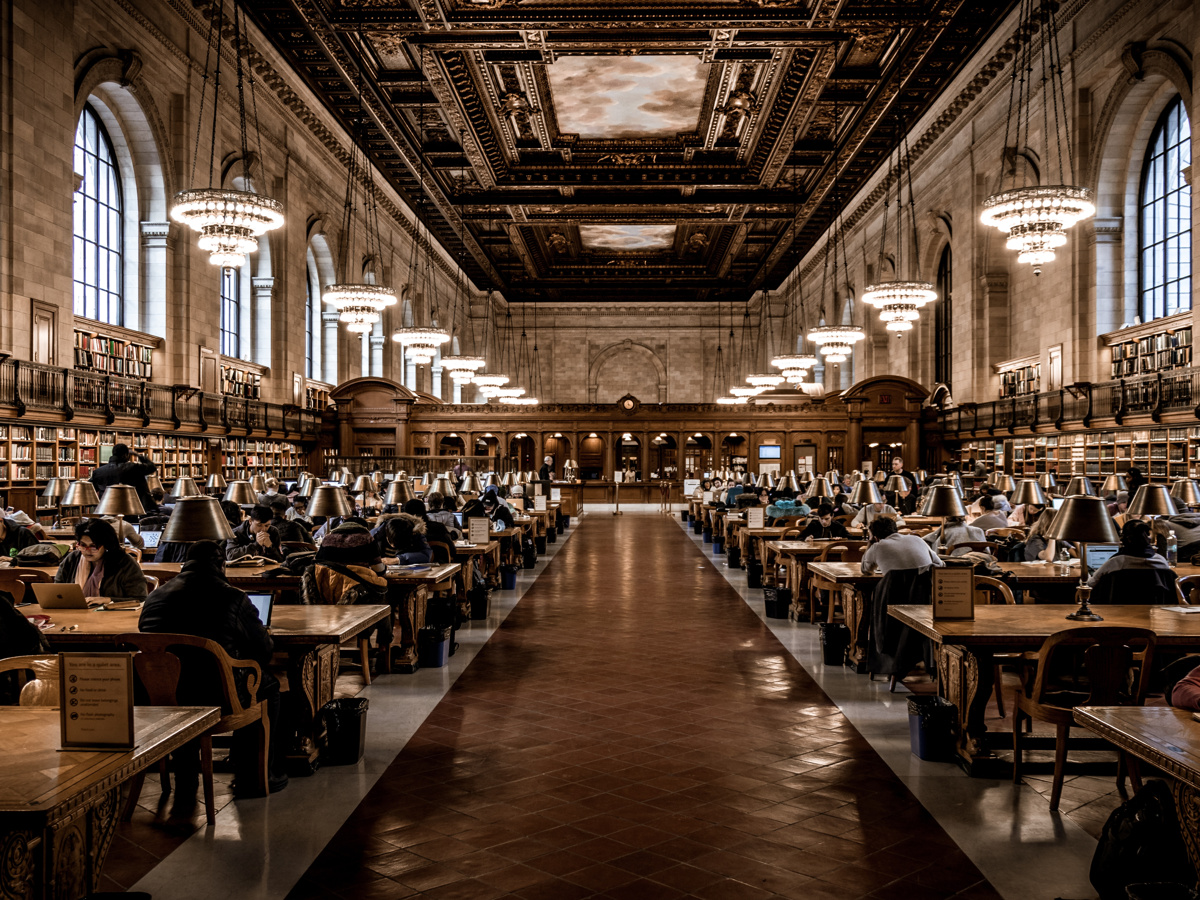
(31, 388)
(1177, 391)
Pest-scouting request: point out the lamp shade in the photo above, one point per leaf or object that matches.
(896, 483)
(56, 487)
(880, 476)
(259, 484)
(1084, 519)
(921, 475)
(444, 486)
(427, 479)
(196, 519)
(81, 493)
(399, 492)
(789, 482)
(943, 500)
(1048, 481)
(1114, 484)
(184, 486)
(470, 484)
(765, 481)
(120, 500)
(216, 482)
(241, 493)
(306, 489)
(1004, 483)
(820, 488)
(956, 483)
(1152, 500)
(489, 480)
(1081, 486)
(865, 492)
(1028, 492)
(1186, 491)
(363, 484)
(329, 500)
(153, 483)
(507, 480)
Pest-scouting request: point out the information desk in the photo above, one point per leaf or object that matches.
(58, 811)
(965, 651)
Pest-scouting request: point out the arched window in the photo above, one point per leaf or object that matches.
(943, 321)
(1165, 218)
(312, 362)
(231, 311)
(99, 221)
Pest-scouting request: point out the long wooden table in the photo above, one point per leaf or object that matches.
(966, 650)
(58, 810)
(1024, 572)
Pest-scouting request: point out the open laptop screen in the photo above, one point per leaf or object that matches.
(150, 539)
(263, 603)
(1099, 554)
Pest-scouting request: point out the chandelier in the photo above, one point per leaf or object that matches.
(229, 222)
(359, 306)
(1036, 217)
(489, 385)
(463, 368)
(420, 344)
(836, 342)
(746, 392)
(764, 381)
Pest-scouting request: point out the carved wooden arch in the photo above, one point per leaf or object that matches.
(348, 389)
(621, 347)
(123, 69)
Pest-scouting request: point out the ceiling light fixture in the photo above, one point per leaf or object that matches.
(1035, 217)
(229, 222)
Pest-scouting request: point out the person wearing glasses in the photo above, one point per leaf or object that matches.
(100, 567)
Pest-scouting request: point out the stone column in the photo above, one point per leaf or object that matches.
(261, 290)
(329, 347)
(377, 342)
(152, 317)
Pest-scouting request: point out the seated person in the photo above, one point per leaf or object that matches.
(502, 518)
(289, 529)
(891, 550)
(823, 527)
(1024, 515)
(233, 513)
(14, 536)
(298, 511)
(1186, 692)
(255, 537)
(1136, 554)
(403, 541)
(272, 491)
(1037, 545)
(437, 511)
(1187, 533)
(990, 518)
(954, 530)
(872, 511)
(999, 501)
(200, 602)
(100, 566)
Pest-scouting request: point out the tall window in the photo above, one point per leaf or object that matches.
(231, 310)
(1165, 219)
(99, 219)
(943, 320)
(309, 302)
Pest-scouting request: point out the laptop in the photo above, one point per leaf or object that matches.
(1057, 502)
(1099, 554)
(264, 603)
(60, 596)
(151, 538)
(458, 519)
(136, 527)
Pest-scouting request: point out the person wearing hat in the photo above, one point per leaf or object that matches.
(501, 516)
(121, 469)
(255, 537)
(402, 540)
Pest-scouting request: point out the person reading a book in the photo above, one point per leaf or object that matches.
(255, 537)
(101, 568)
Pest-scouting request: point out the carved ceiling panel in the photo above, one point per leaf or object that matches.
(659, 150)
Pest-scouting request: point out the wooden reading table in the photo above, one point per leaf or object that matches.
(59, 809)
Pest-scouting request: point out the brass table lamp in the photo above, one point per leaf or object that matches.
(196, 518)
(1085, 520)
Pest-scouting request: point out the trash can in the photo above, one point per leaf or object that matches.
(718, 545)
(686, 516)
(697, 526)
(433, 646)
(540, 543)
(778, 600)
(753, 573)
(835, 638)
(1159, 890)
(481, 601)
(931, 727)
(733, 557)
(565, 521)
(707, 535)
(345, 731)
(529, 556)
(560, 525)
(552, 535)
(508, 578)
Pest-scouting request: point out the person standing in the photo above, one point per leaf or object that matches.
(122, 469)
(546, 472)
(905, 501)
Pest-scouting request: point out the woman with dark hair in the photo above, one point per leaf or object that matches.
(1137, 552)
(100, 567)
(1134, 479)
(404, 540)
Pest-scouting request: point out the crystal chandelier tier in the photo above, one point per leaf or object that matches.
(421, 344)
(463, 368)
(359, 306)
(1035, 217)
(489, 385)
(733, 401)
(229, 222)
(836, 342)
(764, 381)
(745, 392)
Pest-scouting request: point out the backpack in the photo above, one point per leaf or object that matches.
(40, 555)
(1141, 842)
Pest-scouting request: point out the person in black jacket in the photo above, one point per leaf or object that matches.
(255, 537)
(501, 516)
(200, 602)
(14, 537)
(823, 527)
(121, 469)
(100, 566)
(289, 529)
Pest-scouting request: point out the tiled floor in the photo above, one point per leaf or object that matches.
(634, 730)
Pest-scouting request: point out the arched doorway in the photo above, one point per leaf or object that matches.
(697, 455)
(664, 458)
(452, 445)
(733, 452)
(629, 457)
(487, 445)
(558, 448)
(591, 458)
(520, 453)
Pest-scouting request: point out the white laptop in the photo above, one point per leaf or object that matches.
(61, 596)
(151, 538)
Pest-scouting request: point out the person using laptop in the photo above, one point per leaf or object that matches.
(1137, 553)
(125, 531)
(101, 568)
(200, 601)
(255, 537)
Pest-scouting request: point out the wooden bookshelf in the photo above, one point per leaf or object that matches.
(1019, 377)
(316, 397)
(112, 350)
(239, 382)
(1158, 346)
(243, 458)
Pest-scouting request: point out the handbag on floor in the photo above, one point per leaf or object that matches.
(1141, 842)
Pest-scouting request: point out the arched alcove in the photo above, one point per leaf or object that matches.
(627, 368)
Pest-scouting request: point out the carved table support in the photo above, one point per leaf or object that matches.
(966, 680)
(312, 672)
(409, 603)
(1187, 808)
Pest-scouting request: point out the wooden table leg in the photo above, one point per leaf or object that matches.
(312, 672)
(1187, 808)
(408, 605)
(966, 680)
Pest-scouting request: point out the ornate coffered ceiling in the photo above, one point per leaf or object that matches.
(595, 150)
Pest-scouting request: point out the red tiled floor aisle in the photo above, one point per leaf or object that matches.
(633, 731)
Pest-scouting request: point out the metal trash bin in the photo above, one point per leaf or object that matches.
(345, 724)
(835, 638)
(433, 646)
(778, 601)
(931, 727)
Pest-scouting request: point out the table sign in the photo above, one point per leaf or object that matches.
(706, 497)
(954, 592)
(690, 486)
(95, 698)
(555, 495)
(479, 530)
(754, 517)
(539, 503)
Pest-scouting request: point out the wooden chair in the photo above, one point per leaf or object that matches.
(17, 581)
(982, 546)
(990, 591)
(818, 584)
(42, 688)
(296, 547)
(151, 583)
(1001, 533)
(1184, 585)
(1106, 655)
(160, 663)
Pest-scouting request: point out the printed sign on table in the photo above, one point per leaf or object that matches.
(479, 530)
(755, 517)
(954, 592)
(96, 701)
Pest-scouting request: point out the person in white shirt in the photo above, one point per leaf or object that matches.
(954, 530)
(891, 550)
(872, 511)
(990, 518)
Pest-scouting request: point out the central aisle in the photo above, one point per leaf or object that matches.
(633, 731)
